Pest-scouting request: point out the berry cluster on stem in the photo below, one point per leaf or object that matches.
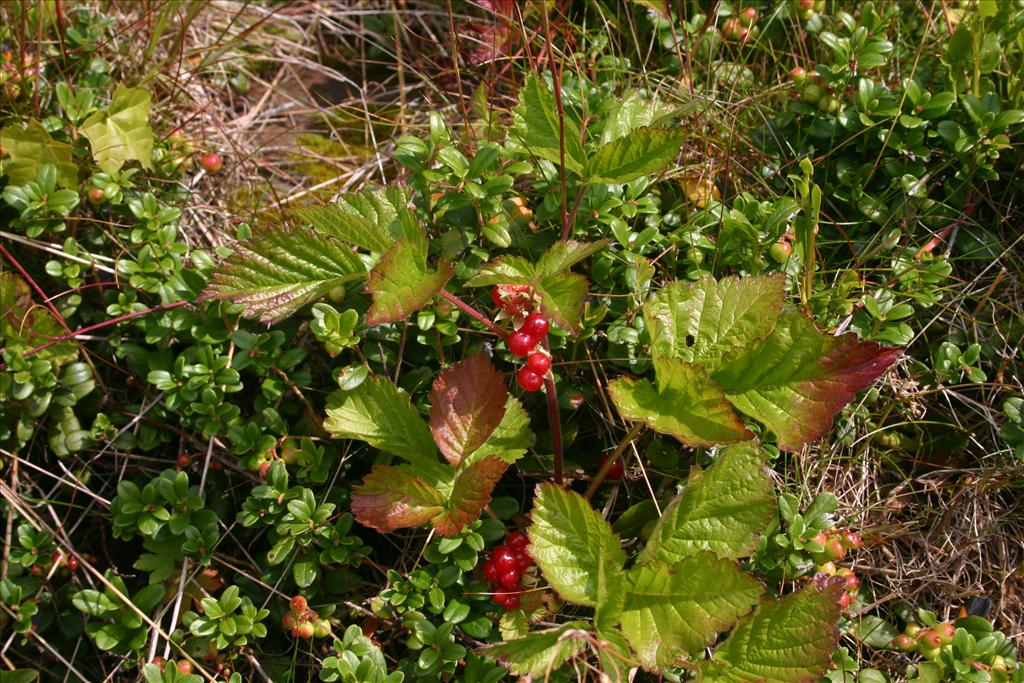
(504, 569)
(835, 544)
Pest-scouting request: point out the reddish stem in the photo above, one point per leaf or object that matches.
(101, 325)
(555, 420)
(556, 77)
(472, 312)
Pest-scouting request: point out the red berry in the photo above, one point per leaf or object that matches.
(520, 343)
(159, 661)
(498, 597)
(288, 621)
(523, 559)
(536, 325)
(845, 600)
(510, 579)
(945, 631)
(529, 380)
(902, 642)
(513, 299)
(930, 640)
(511, 601)
(798, 74)
(491, 572)
(183, 461)
(298, 604)
(265, 467)
(538, 363)
(72, 562)
(184, 666)
(616, 470)
(517, 540)
(96, 196)
(851, 540)
(211, 163)
(504, 559)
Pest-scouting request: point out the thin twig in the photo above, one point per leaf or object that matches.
(473, 313)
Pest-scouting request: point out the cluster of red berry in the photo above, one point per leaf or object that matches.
(927, 642)
(303, 622)
(505, 567)
(530, 333)
(835, 544)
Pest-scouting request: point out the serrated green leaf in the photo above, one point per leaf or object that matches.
(541, 652)
(280, 268)
(371, 220)
(721, 509)
(562, 298)
(122, 132)
(467, 403)
(30, 147)
(470, 493)
(394, 497)
(356, 414)
(401, 283)
(789, 640)
(638, 153)
(630, 113)
(797, 379)
(510, 440)
(573, 546)
(702, 321)
(537, 127)
(671, 611)
(685, 404)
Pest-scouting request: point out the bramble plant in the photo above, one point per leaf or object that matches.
(570, 394)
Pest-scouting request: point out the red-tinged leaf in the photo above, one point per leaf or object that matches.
(798, 378)
(402, 282)
(467, 403)
(279, 269)
(471, 492)
(392, 497)
(789, 640)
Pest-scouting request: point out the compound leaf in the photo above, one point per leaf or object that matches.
(798, 378)
(510, 440)
(721, 509)
(640, 152)
(674, 610)
(467, 403)
(685, 404)
(789, 640)
(394, 497)
(122, 132)
(279, 269)
(572, 544)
